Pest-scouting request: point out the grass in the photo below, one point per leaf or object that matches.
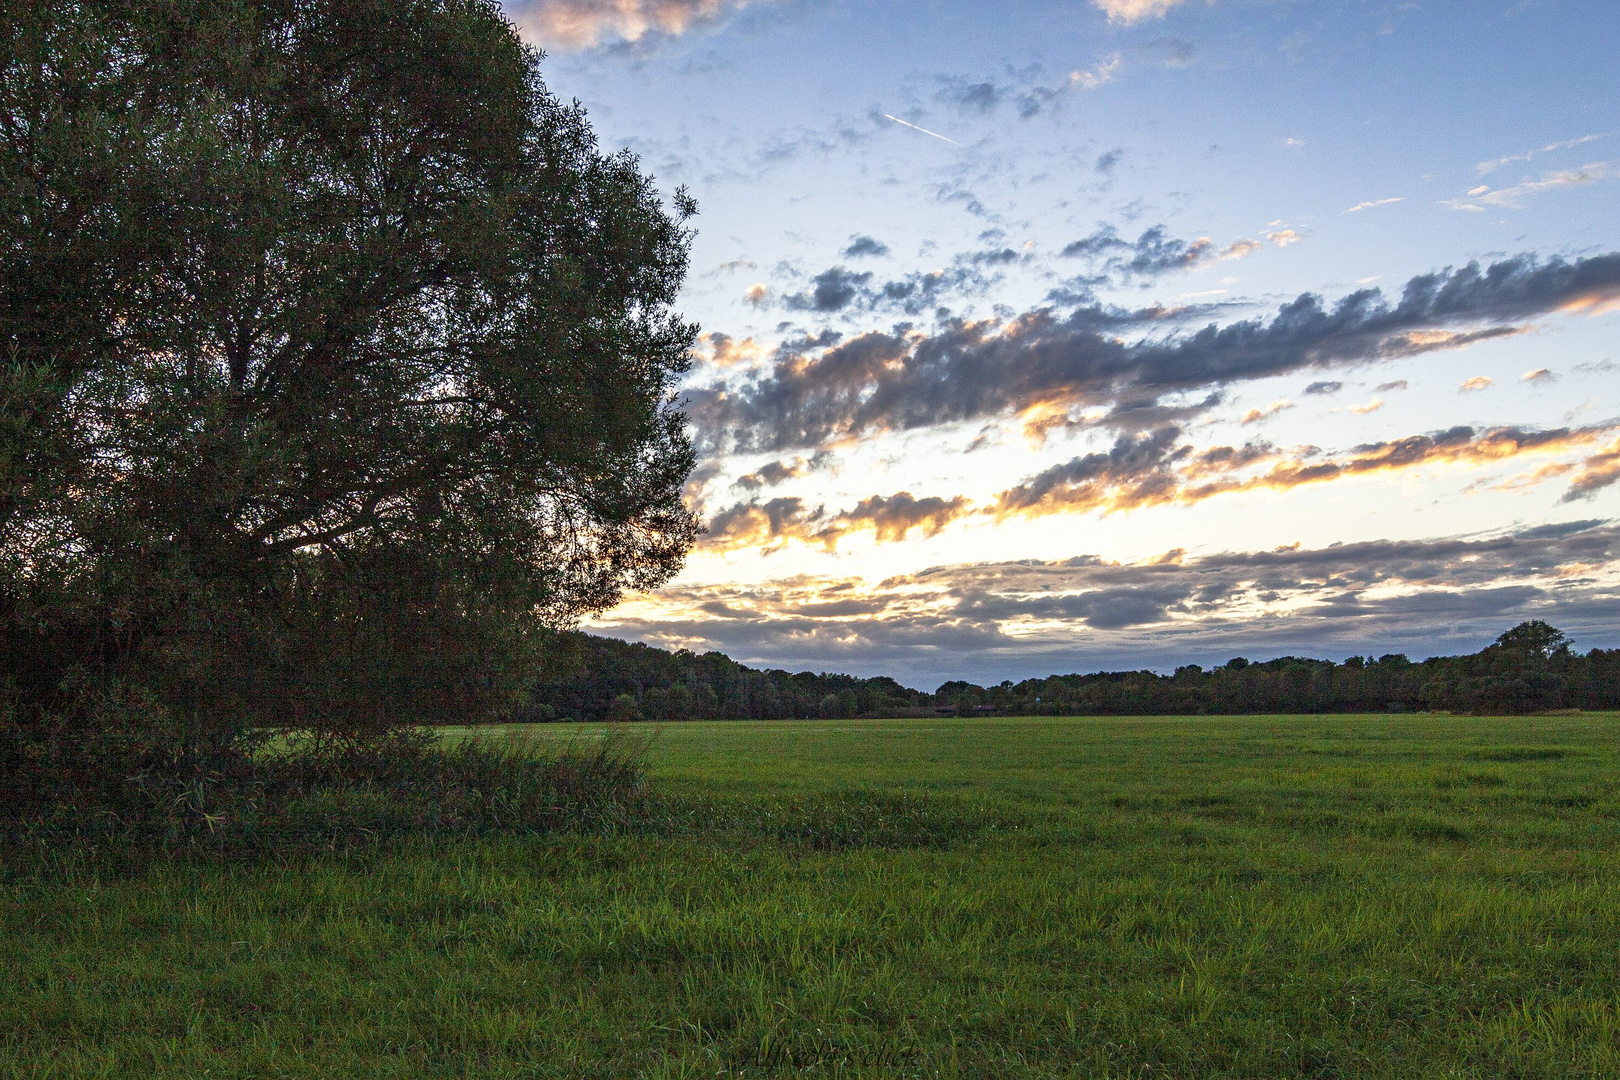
(1340, 896)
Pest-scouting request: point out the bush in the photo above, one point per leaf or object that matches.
(306, 793)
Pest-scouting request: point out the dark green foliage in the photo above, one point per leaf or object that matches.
(1530, 668)
(304, 795)
(335, 371)
(610, 679)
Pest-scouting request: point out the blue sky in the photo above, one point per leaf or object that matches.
(1044, 337)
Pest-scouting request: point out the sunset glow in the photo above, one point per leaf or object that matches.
(1045, 338)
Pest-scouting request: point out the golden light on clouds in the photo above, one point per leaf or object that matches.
(1130, 11)
(582, 24)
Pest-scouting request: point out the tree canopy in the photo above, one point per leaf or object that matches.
(336, 363)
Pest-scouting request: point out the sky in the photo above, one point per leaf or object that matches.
(1050, 337)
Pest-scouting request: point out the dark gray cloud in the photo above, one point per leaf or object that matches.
(966, 371)
(975, 97)
(1170, 51)
(861, 247)
(1150, 256)
(831, 290)
(1029, 91)
(1106, 162)
(989, 621)
(839, 289)
(1325, 387)
(773, 473)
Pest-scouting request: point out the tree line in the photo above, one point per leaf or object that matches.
(1530, 668)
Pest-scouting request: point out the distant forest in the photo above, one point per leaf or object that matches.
(1530, 668)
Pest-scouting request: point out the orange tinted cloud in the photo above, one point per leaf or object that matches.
(1156, 470)
(581, 24)
(773, 523)
(1597, 472)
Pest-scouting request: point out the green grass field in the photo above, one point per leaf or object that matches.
(1342, 896)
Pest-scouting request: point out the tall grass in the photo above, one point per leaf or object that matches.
(301, 795)
(1263, 897)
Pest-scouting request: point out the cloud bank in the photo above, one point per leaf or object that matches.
(819, 391)
(988, 621)
(1159, 468)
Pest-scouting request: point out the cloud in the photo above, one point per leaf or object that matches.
(839, 289)
(1512, 198)
(1356, 209)
(1396, 384)
(978, 97)
(1496, 163)
(1539, 375)
(986, 621)
(890, 518)
(1154, 253)
(1371, 407)
(1101, 75)
(773, 473)
(1254, 416)
(1324, 387)
(1172, 52)
(1130, 11)
(1477, 382)
(1030, 91)
(1283, 237)
(1158, 469)
(815, 393)
(1597, 472)
(1105, 162)
(833, 290)
(583, 24)
(757, 293)
(724, 351)
(861, 247)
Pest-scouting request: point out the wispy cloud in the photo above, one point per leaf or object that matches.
(1477, 382)
(1512, 198)
(1493, 164)
(583, 24)
(1100, 75)
(1255, 416)
(1374, 203)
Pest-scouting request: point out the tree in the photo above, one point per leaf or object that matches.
(1534, 642)
(336, 365)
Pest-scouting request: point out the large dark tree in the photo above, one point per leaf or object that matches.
(335, 365)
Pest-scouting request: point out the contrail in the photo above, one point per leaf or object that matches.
(924, 130)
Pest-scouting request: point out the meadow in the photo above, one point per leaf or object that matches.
(1166, 897)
